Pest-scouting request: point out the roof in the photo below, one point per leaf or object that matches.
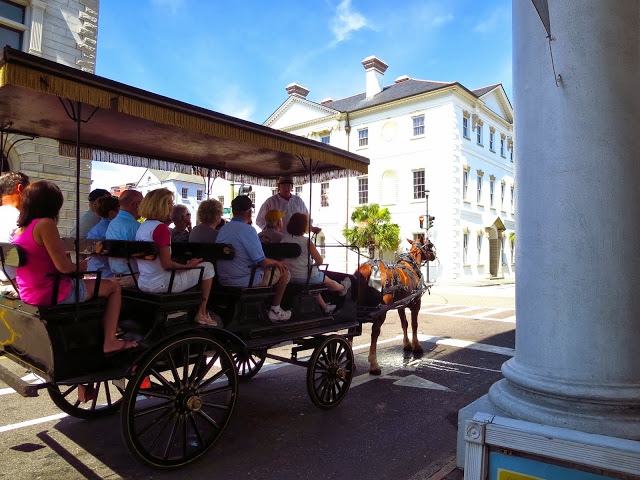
(389, 93)
(478, 92)
(164, 176)
(127, 125)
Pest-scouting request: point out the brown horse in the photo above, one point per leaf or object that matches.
(388, 286)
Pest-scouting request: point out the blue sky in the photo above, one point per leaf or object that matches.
(237, 57)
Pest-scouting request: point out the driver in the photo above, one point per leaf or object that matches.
(285, 203)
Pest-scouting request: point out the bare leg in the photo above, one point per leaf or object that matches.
(332, 285)
(280, 288)
(112, 292)
(321, 302)
(206, 290)
(374, 368)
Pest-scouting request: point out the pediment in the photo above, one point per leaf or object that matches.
(296, 110)
(497, 101)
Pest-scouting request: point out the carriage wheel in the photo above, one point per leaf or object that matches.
(88, 400)
(180, 400)
(249, 362)
(330, 372)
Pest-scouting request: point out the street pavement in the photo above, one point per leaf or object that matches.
(400, 425)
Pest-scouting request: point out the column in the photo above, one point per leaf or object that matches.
(577, 361)
(37, 19)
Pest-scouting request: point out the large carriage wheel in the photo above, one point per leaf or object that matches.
(179, 401)
(330, 372)
(249, 362)
(88, 400)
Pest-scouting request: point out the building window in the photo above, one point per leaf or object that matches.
(513, 193)
(465, 183)
(221, 200)
(418, 184)
(492, 185)
(502, 189)
(504, 253)
(199, 194)
(512, 154)
(252, 197)
(298, 190)
(418, 125)
(479, 133)
(465, 127)
(479, 247)
(10, 35)
(363, 137)
(322, 245)
(502, 147)
(479, 199)
(185, 193)
(326, 139)
(465, 248)
(363, 190)
(324, 194)
(492, 140)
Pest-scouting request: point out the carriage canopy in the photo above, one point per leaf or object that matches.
(131, 126)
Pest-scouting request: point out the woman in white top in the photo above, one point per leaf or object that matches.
(297, 229)
(155, 275)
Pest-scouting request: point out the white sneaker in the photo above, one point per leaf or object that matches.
(346, 281)
(280, 316)
(330, 308)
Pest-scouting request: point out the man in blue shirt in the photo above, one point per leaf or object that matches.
(248, 251)
(124, 227)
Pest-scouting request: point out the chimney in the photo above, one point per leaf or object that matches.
(375, 69)
(297, 90)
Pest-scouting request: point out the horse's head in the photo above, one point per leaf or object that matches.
(422, 251)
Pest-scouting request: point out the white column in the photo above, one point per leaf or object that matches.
(37, 19)
(577, 361)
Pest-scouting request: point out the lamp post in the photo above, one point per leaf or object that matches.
(426, 227)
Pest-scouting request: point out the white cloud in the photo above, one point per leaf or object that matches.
(107, 175)
(492, 21)
(345, 21)
(441, 19)
(174, 5)
(232, 101)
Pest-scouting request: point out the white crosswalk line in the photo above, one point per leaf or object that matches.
(459, 312)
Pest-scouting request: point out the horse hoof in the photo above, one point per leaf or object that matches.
(375, 371)
(408, 348)
(418, 350)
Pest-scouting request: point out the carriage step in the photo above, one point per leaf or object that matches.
(23, 388)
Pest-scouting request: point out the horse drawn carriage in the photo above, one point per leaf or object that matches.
(177, 390)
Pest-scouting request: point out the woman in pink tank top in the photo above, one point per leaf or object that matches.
(38, 235)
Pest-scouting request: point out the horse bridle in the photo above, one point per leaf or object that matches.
(425, 249)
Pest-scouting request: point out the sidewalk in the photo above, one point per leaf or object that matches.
(476, 283)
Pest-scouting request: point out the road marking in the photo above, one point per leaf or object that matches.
(458, 311)
(453, 342)
(419, 382)
(29, 423)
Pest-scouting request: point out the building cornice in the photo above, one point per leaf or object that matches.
(454, 89)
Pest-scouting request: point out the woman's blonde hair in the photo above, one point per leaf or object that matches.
(156, 205)
(209, 210)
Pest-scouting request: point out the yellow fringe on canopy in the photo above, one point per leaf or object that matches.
(167, 116)
(27, 77)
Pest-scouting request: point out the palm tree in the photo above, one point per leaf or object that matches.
(372, 229)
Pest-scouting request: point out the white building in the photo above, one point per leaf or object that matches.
(64, 31)
(421, 136)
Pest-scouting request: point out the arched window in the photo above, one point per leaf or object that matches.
(389, 194)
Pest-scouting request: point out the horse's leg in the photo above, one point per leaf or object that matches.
(374, 368)
(405, 326)
(415, 308)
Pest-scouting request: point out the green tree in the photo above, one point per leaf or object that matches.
(372, 230)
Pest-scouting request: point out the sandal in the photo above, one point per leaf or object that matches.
(124, 345)
(206, 320)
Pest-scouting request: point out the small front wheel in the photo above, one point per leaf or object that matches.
(249, 362)
(179, 401)
(330, 372)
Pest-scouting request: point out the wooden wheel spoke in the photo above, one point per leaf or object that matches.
(155, 408)
(156, 422)
(213, 378)
(197, 365)
(149, 392)
(196, 429)
(226, 388)
(185, 366)
(176, 425)
(174, 369)
(107, 392)
(162, 380)
(162, 431)
(69, 390)
(210, 420)
(216, 406)
(95, 396)
(208, 366)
